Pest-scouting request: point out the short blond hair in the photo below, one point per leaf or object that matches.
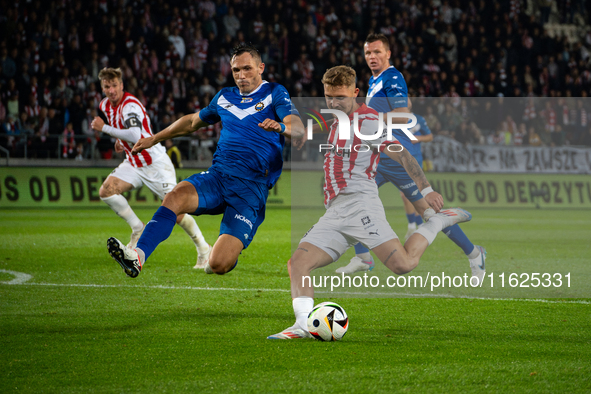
(108, 74)
(340, 76)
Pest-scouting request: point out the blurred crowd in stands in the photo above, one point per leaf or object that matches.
(175, 57)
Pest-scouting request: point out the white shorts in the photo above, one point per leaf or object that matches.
(159, 176)
(351, 219)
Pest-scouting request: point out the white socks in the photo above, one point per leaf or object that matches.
(475, 253)
(190, 226)
(302, 306)
(430, 229)
(364, 256)
(119, 204)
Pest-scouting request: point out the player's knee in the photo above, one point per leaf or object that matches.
(172, 201)
(403, 267)
(221, 266)
(105, 191)
(300, 265)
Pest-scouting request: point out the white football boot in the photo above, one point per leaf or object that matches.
(356, 265)
(428, 213)
(293, 332)
(127, 258)
(453, 216)
(477, 266)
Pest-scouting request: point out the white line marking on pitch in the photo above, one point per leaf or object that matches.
(287, 291)
(20, 277)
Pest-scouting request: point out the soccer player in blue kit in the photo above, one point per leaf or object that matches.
(256, 117)
(388, 93)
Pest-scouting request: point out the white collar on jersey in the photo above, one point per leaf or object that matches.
(254, 91)
(381, 73)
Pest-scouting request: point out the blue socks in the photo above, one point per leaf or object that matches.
(414, 218)
(417, 219)
(359, 249)
(157, 230)
(456, 234)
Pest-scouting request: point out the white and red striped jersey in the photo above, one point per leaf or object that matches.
(350, 165)
(131, 113)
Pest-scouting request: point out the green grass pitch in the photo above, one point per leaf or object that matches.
(80, 325)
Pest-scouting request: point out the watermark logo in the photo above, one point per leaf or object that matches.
(344, 132)
(319, 121)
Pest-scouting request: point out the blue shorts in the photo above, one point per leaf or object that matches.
(397, 175)
(241, 201)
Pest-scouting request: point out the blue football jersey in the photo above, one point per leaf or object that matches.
(420, 128)
(244, 149)
(386, 92)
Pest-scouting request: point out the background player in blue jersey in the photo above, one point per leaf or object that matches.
(256, 118)
(388, 93)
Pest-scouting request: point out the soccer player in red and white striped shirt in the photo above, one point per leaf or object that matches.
(129, 122)
(354, 210)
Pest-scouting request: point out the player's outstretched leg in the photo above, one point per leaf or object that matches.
(187, 222)
(402, 260)
(183, 198)
(127, 258)
(157, 230)
(306, 258)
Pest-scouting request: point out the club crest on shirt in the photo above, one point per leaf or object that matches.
(259, 107)
(246, 100)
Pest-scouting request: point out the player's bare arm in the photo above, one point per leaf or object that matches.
(185, 125)
(410, 164)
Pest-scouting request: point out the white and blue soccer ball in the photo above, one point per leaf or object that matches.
(328, 321)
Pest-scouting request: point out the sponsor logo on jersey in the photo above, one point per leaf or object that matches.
(374, 233)
(259, 107)
(228, 106)
(365, 220)
(243, 219)
(407, 186)
(246, 100)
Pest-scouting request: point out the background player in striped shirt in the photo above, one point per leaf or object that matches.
(388, 93)
(129, 122)
(354, 210)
